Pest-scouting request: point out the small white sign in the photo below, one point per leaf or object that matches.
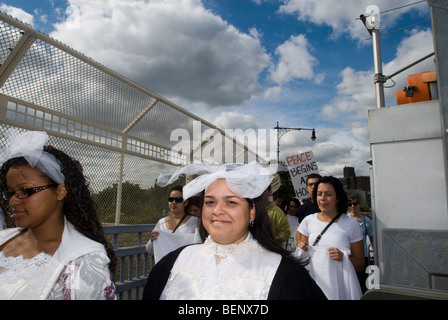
(300, 166)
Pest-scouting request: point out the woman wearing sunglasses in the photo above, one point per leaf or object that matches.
(58, 249)
(354, 210)
(176, 230)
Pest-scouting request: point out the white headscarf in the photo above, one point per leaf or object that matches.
(30, 145)
(246, 180)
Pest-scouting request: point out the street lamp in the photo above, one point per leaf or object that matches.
(281, 131)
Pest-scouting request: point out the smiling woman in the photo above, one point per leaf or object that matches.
(225, 215)
(240, 258)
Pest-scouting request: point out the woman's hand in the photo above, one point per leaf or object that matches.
(302, 241)
(302, 245)
(335, 254)
(154, 235)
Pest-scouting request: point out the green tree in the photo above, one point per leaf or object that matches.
(138, 206)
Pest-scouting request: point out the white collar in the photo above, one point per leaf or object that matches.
(248, 246)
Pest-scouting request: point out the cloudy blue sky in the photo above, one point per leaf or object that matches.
(244, 64)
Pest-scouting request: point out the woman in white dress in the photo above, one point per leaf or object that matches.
(336, 253)
(240, 258)
(58, 250)
(291, 212)
(178, 229)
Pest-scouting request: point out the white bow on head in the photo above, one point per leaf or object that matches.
(30, 145)
(246, 180)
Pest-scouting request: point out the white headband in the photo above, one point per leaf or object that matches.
(30, 145)
(246, 180)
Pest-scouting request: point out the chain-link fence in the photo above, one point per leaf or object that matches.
(121, 132)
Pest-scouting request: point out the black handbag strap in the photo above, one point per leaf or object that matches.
(325, 229)
(178, 225)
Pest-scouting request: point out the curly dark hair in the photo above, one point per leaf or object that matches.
(79, 207)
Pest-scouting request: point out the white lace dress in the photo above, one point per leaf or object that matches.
(22, 278)
(78, 270)
(222, 272)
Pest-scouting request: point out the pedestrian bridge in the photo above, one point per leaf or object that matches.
(133, 262)
(117, 129)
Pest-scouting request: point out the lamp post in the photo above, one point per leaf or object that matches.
(281, 131)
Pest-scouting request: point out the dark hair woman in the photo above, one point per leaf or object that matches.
(176, 230)
(240, 258)
(341, 195)
(65, 253)
(333, 242)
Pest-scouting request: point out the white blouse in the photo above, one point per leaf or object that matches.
(188, 227)
(337, 279)
(24, 275)
(79, 269)
(84, 278)
(210, 270)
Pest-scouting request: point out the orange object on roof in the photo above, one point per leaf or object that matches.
(417, 89)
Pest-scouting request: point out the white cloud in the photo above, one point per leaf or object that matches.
(43, 18)
(235, 120)
(418, 44)
(353, 100)
(333, 149)
(342, 16)
(190, 56)
(349, 146)
(256, 34)
(175, 48)
(272, 93)
(340, 148)
(360, 132)
(17, 13)
(295, 61)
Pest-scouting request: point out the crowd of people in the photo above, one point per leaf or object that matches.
(334, 259)
(240, 258)
(226, 236)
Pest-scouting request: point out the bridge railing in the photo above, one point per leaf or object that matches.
(133, 261)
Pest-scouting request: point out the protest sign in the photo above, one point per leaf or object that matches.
(300, 166)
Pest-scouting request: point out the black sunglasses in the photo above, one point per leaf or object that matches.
(353, 204)
(177, 199)
(25, 192)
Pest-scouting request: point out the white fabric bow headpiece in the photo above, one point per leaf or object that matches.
(30, 145)
(246, 180)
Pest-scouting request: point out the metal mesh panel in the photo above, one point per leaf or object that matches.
(52, 78)
(47, 120)
(142, 202)
(161, 121)
(9, 35)
(119, 131)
